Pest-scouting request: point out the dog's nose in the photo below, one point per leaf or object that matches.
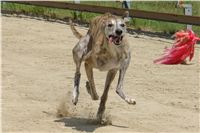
(118, 32)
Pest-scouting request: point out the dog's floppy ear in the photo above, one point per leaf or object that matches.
(126, 17)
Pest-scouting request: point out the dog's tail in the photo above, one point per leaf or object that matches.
(75, 32)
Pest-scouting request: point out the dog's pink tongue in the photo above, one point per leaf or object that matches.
(110, 40)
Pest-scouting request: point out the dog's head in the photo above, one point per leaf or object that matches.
(115, 29)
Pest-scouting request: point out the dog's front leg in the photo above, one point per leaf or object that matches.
(119, 89)
(110, 77)
(90, 85)
(79, 51)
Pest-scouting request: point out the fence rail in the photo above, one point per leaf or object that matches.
(193, 20)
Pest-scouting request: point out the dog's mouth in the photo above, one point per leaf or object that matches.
(115, 39)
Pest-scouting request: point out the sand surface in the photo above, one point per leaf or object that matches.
(37, 80)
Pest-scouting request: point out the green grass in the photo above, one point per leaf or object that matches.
(140, 24)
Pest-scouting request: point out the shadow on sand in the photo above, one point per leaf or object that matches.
(83, 124)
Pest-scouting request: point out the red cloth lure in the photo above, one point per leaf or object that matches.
(182, 48)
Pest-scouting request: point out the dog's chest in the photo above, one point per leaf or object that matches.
(106, 60)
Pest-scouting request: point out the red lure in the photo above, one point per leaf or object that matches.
(182, 48)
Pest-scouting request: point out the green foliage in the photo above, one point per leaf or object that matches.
(140, 24)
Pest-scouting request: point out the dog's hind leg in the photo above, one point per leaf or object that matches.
(77, 76)
(119, 89)
(90, 85)
(110, 77)
(79, 51)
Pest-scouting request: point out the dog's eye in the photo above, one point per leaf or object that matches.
(110, 25)
(122, 25)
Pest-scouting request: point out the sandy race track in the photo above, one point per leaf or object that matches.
(37, 80)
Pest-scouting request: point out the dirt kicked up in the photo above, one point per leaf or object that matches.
(37, 81)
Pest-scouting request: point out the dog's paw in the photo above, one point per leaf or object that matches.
(75, 98)
(74, 101)
(130, 101)
(104, 119)
(94, 96)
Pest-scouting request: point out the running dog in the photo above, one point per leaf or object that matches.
(104, 47)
